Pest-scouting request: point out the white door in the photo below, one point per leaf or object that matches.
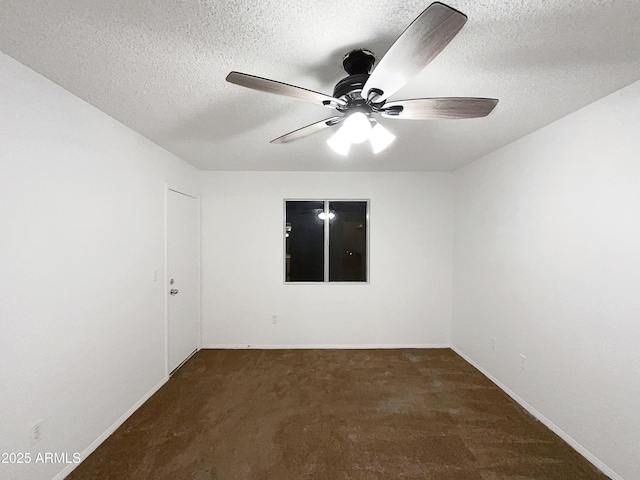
(183, 274)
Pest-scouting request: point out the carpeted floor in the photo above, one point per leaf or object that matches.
(332, 414)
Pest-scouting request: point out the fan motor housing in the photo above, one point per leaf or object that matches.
(350, 85)
(358, 64)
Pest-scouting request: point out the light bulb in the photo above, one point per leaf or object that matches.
(356, 127)
(380, 138)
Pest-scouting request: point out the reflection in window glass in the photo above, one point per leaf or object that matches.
(348, 241)
(304, 239)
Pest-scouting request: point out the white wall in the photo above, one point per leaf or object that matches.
(406, 303)
(81, 231)
(547, 262)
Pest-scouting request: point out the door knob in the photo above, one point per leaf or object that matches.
(173, 291)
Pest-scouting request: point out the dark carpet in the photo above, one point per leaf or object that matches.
(332, 414)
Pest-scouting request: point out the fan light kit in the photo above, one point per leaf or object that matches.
(322, 215)
(358, 128)
(365, 91)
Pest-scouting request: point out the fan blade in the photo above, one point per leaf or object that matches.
(279, 88)
(427, 108)
(308, 130)
(418, 45)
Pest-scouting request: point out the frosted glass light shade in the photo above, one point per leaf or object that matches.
(356, 127)
(340, 142)
(380, 138)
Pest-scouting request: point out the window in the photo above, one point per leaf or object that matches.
(326, 240)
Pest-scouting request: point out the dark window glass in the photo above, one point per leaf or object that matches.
(304, 238)
(348, 241)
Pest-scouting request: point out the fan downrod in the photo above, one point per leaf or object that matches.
(358, 62)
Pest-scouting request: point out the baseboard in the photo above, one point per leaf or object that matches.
(548, 423)
(337, 346)
(96, 443)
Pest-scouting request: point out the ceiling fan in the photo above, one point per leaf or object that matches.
(364, 92)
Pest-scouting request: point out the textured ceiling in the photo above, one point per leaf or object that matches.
(159, 66)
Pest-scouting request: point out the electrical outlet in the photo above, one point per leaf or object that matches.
(274, 319)
(523, 362)
(35, 433)
(492, 344)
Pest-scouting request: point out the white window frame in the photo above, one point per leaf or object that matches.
(326, 203)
